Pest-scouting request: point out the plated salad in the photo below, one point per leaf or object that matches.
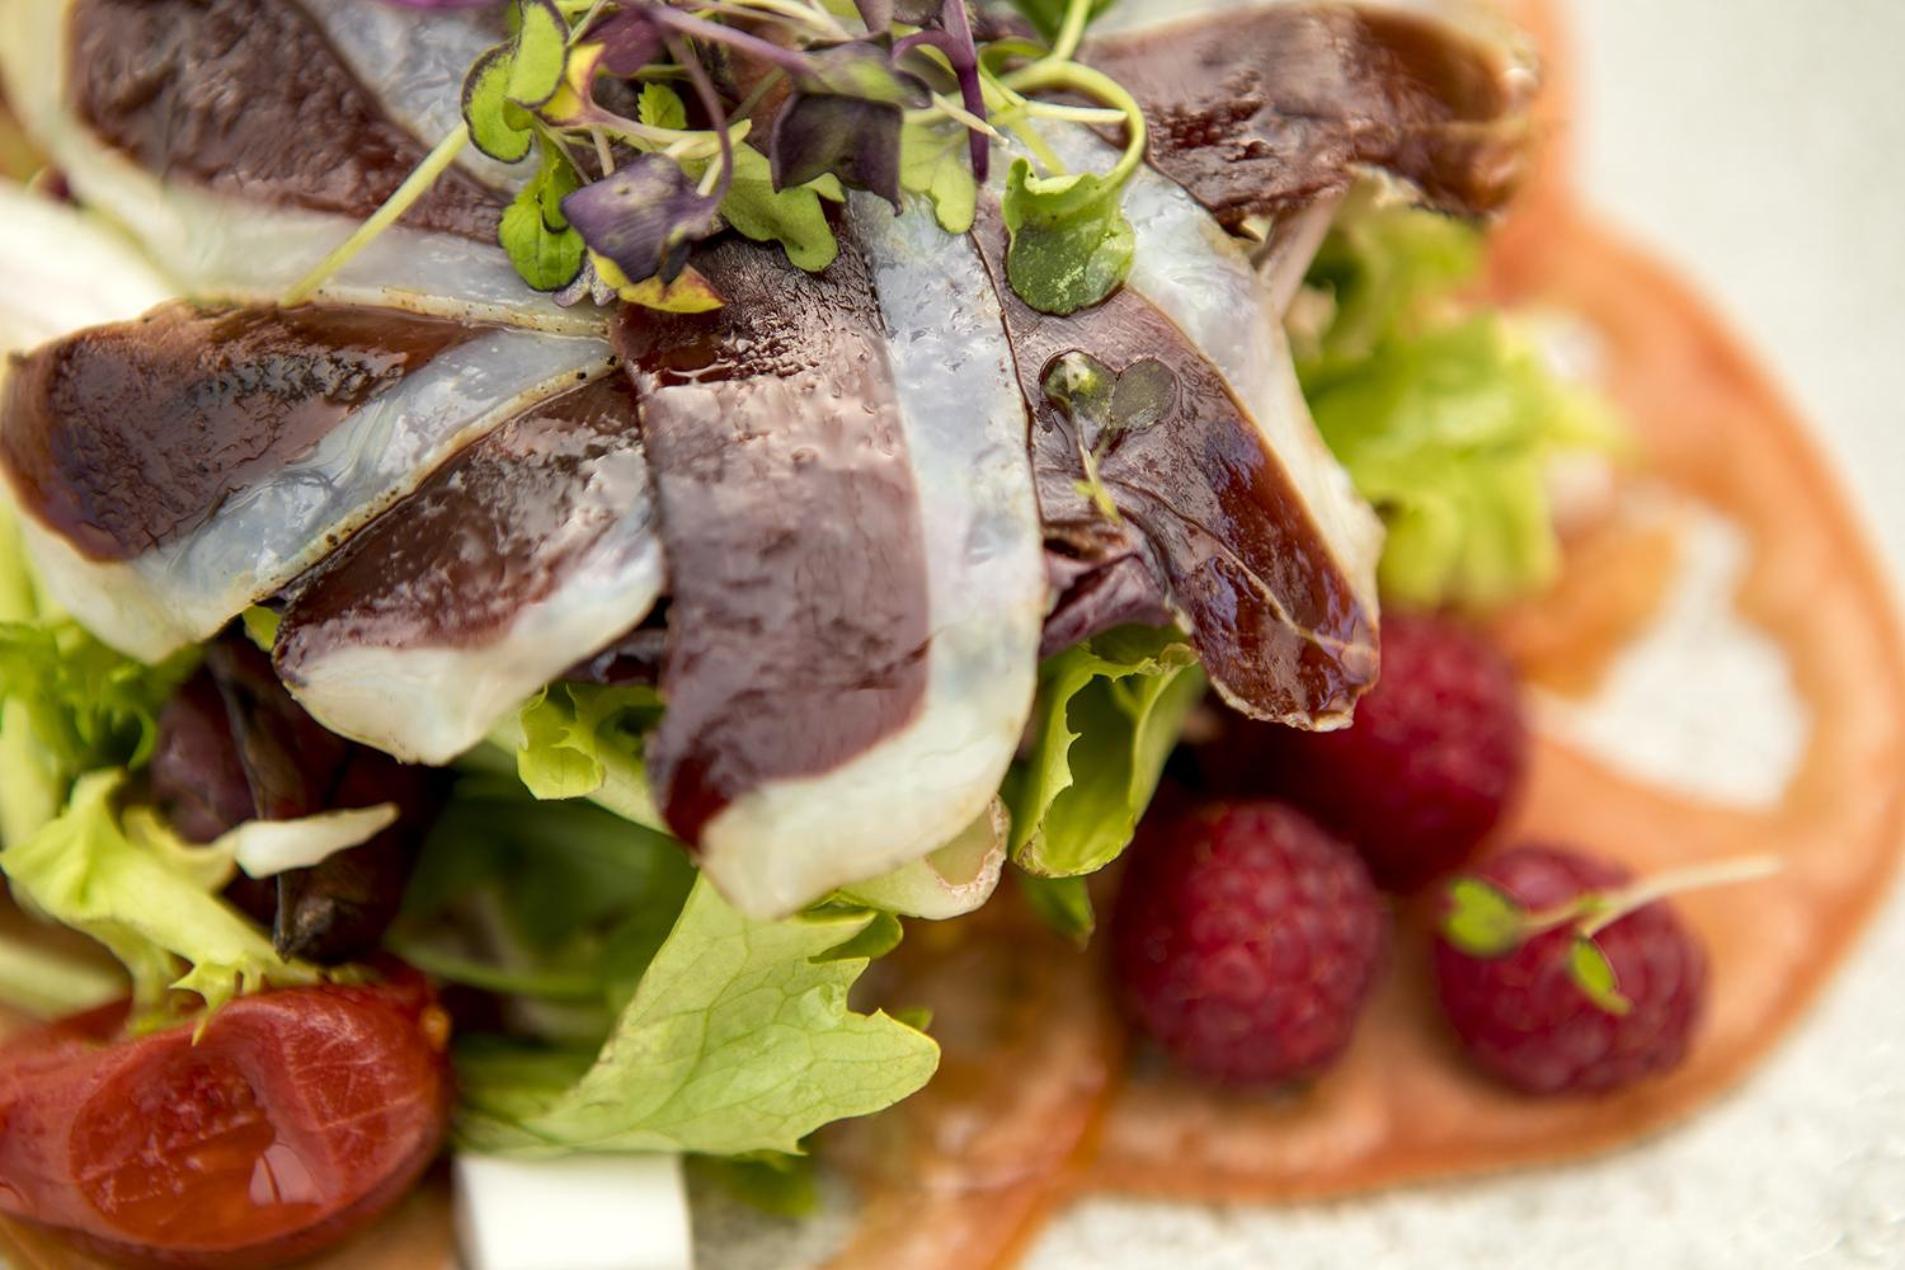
(910, 603)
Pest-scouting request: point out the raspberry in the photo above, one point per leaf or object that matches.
(1436, 754)
(1525, 1019)
(1246, 941)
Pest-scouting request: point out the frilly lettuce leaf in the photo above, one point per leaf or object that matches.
(1447, 418)
(585, 741)
(1109, 715)
(738, 1039)
(149, 898)
(68, 703)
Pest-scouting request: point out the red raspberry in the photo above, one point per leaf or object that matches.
(1525, 1020)
(1437, 752)
(1246, 940)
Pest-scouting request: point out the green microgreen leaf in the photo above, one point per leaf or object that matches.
(1593, 973)
(662, 107)
(1071, 244)
(791, 217)
(540, 54)
(933, 163)
(541, 244)
(1483, 920)
(261, 626)
(497, 127)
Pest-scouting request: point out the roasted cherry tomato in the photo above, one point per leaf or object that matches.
(293, 1120)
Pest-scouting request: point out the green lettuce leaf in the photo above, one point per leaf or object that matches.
(585, 741)
(68, 703)
(1110, 712)
(575, 899)
(149, 898)
(738, 1039)
(1446, 418)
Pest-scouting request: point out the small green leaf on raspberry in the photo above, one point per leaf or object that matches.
(1591, 971)
(1483, 920)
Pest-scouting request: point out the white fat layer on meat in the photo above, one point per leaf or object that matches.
(785, 844)
(215, 245)
(62, 271)
(263, 536)
(1668, 711)
(1202, 279)
(584, 1212)
(414, 62)
(430, 704)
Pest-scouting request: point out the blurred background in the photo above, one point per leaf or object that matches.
(1759, 145)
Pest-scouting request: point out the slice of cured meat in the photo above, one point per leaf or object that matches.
(1210, 473)
(528, 552)
(1261, 107)
(854, 554)
(241, 142)
(176, 469)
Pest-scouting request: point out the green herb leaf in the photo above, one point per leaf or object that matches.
(935, 162)
(1071, 244)
(540, 54)
(738, 1039)
(546, 251)
(498, 127)
(791, 217)
(1064, 904)
(661, 107)
(1049, 15)
(1110, 712)
(1591, 971)
(1483, 920)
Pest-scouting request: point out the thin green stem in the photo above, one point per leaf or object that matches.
(1092, 83)
(415, 186)
(1618, 904)
(1072, 33)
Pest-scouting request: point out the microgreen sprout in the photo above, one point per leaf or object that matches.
(1483, 920)
(614, 199)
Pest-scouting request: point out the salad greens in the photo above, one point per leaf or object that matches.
(1109, 714)
(130, 883)
(1445, 415)
(738, 1039)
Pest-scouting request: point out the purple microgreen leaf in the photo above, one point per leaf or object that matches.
(442, 4)
(845, 117)
(964, 55)
(879, 15)
(630, 40)
(644, 218)
(492, 119)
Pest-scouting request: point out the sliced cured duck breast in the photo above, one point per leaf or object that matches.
(1262, 107)
(174, 470)
(241, 141)
(856, 574)
(530, 551)
(1169, 429)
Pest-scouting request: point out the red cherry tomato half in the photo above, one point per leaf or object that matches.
(293, 1121)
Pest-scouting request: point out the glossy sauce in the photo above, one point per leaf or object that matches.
(125, 438)
(249, 98)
